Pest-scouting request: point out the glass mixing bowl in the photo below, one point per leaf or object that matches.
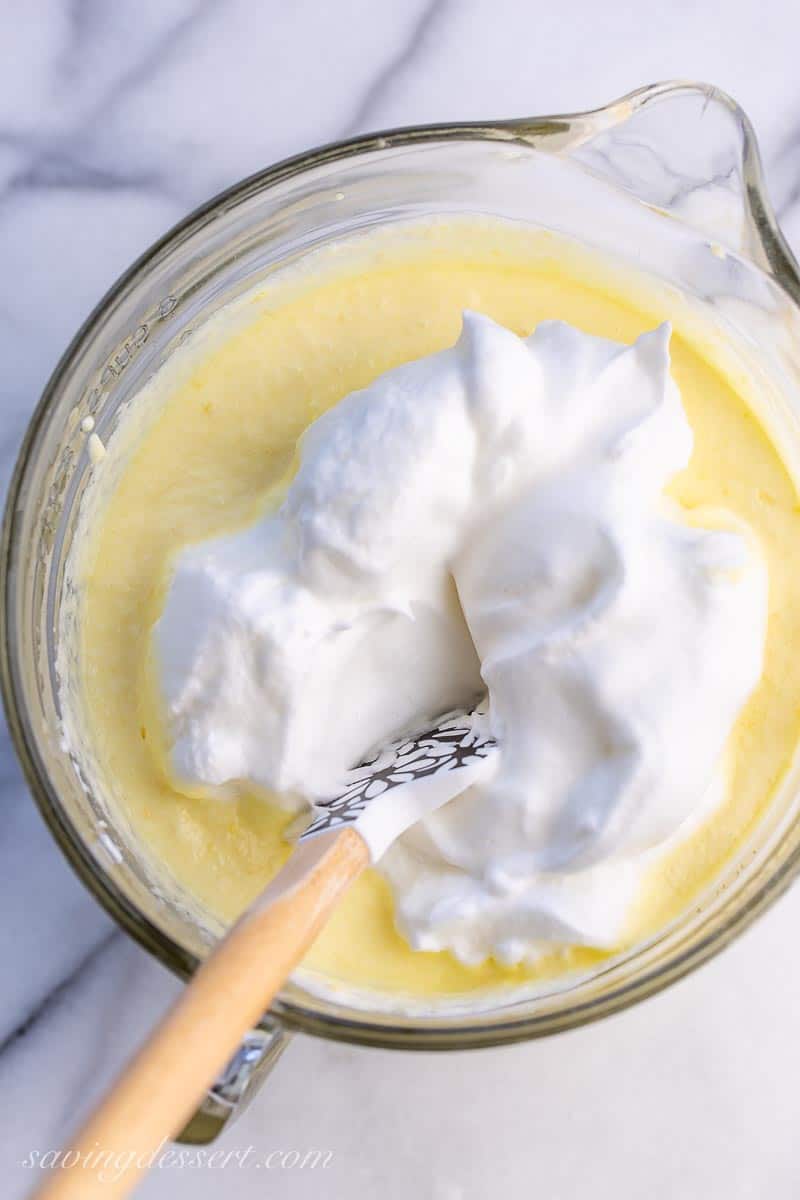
(666, 179)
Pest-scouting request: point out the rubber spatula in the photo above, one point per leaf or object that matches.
(162, 1085)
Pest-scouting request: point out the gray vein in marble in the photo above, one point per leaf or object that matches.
(784, 173)
(394, 69)
(786, 165)
(789, 202)
(55, 160)
(105, 1030)
(84, 19)
(56, 169)
(45, 1003)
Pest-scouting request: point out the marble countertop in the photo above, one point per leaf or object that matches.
(117, 119)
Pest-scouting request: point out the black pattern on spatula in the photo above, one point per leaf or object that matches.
(454, 742)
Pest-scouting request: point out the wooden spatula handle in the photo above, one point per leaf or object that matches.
(163, 1084)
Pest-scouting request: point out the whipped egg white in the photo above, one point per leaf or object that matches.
(492, 517)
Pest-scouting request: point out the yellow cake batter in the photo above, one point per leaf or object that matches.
(228, 413)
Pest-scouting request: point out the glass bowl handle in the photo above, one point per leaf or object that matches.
(238, 1083)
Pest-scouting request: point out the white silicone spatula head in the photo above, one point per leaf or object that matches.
(409, 778)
